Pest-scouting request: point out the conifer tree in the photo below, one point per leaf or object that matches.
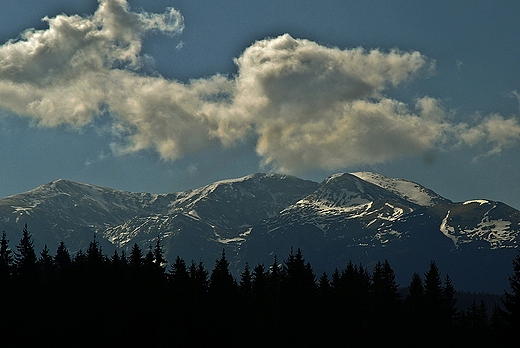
(355, 282)
(361, 288)
(433, 285)
(433, 293)
(324, 286)
(115, 260)
(246, 283)
(449, 301)
(384, 288)
(80, 260)
(384, 303)
(25, 257)
(136, 258)
(198, 294)
(158, 254)
(477, 318)
(511, 299)
(299, 277)
(198, 279)
(416, 289)
(336, 284)
(221, 282)
(434, 309)
(94, 255)
(62, 258)
(123, 260)
(6, 258)
(119, 276)
(483, 314)
(498, 328)
(338, 295)
(45, 263)
(298, 295)
(149, 259)
(415, 310)
(178, 274)
(259, 283)
(6, 267)
(275, 275)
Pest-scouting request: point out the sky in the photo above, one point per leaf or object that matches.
(163, 96)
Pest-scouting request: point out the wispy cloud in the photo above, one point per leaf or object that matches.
(306, 105)
(494, 130)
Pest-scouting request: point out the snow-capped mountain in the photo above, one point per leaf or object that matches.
(195, 224)
(199, 223)
(406, 189)
(364, 217)
(492, 225)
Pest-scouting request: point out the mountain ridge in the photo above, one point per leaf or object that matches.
(359, 216)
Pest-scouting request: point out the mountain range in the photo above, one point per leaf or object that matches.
(361, 217)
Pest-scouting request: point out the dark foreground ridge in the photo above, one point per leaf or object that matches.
(96, 299)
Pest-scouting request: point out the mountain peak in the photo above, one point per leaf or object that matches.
(406, 189)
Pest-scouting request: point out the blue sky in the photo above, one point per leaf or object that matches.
(163, 96)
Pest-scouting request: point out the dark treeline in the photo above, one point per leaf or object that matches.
(95, 299)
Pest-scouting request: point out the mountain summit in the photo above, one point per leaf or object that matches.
(364, 217)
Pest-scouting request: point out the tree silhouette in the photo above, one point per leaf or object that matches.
(6, 259)
(190, 306)
(246, 284)
(416, 289)
(299, 278)
(46, 263)
(434, 309)
(511, 299)
(158, 255)
(475, 324)
(178, 275)
(324, 286)
(384, 288)
(449, 302)
(385, 303)
(221, 283)
(414, 310)
(498, 328)
(62, 258)
(94, 252)
(299, 297)
(433, 284)
(337, 285)
(136, 259)
(25, 257)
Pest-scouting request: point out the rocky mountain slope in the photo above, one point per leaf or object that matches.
(364, 217)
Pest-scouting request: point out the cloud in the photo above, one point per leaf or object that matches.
(494, 130)
(319, 107)
(62, 74)
(305, 105)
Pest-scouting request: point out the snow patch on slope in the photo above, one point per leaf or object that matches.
(406, 189)
(478, 201)
(497, 232)
(447, 230)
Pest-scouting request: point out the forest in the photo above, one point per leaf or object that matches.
(91, 298)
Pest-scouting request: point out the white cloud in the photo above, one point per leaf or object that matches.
(306, 105)
(61, 74)
(314, 106)
(494, 130)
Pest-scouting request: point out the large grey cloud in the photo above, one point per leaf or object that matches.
(306, 105)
